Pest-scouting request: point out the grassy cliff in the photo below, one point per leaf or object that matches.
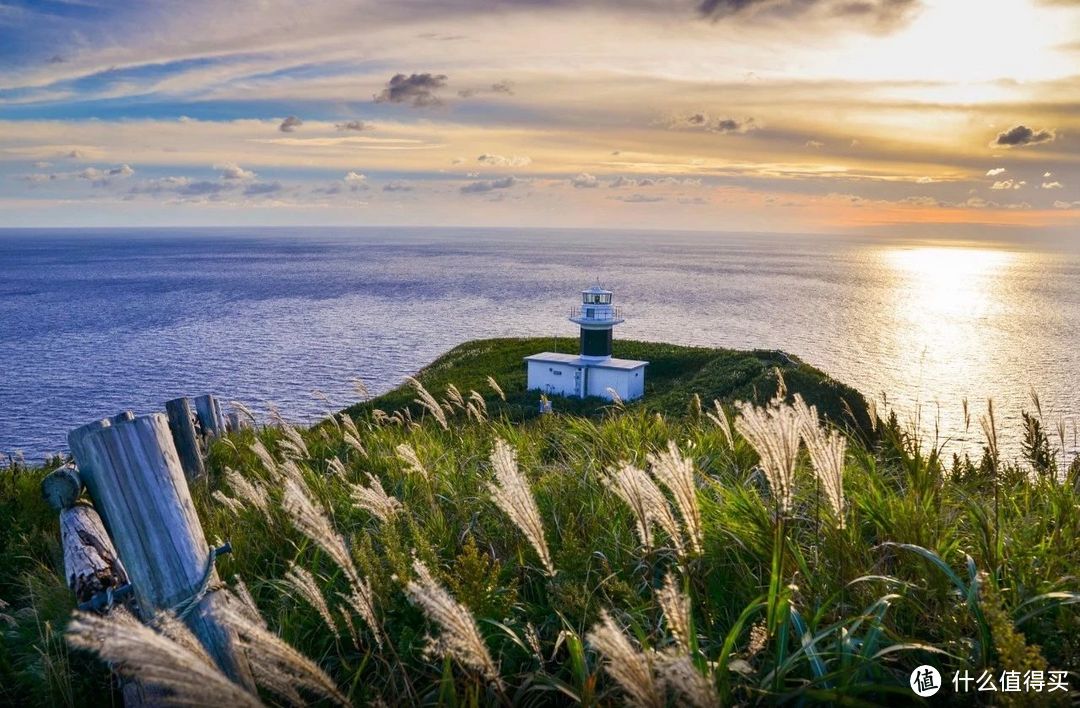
(728, 580)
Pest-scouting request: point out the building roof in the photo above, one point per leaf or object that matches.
(597, 289)
(575, 360)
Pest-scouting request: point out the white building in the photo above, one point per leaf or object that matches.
(592, 372)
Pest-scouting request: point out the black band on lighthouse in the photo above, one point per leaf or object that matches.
(595, 342)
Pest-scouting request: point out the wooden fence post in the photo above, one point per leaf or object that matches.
(182, 424)
(136, 481)
(61, 487)
(210, 417)
(91, 565)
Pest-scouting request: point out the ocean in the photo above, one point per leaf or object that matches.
(95, 321)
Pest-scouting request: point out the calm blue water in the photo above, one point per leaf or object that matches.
(95, 321)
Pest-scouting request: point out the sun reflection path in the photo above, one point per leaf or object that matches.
(946, 329)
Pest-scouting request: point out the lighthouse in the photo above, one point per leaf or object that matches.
(593, 371)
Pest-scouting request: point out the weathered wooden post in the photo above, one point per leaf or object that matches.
(91, 565)
(123, 416)
(209, 413)
(133, 474)
(234, 422)
(61, 487)
(185, 437)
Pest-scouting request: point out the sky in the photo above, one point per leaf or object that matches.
(930, 117)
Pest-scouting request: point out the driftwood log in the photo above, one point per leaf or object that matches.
(61, 487)
(185, 437)
(90, 561)
(137, 484)
(210, 417)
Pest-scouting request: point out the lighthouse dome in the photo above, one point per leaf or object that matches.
(596, 295)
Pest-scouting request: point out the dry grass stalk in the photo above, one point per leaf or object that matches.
(296, 441)
(459, 637)
(428, 402)
(774, 432)
(187, 676)
(481, 404)
(303, 582)
(676, 673)
(245, 600)
(267, 460)
(349, 424)
(335, 466)
(354, 442)
(454, 396)
(407, 454)
(512, 494)
(379, 417)
(676, 607)
(360, 388)
(245, 411)
(631, 669)
(827, 450)
(290, 470)
(228, 502)
(310, 518)
(676, 474)
(496, 387)
(374, 499)
(647, 502)
(247, 491)
(722, 421)
(616, 399)
(274, 660)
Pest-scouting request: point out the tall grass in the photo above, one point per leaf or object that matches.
(686, 559)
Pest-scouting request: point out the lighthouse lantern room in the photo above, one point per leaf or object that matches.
(593, 371)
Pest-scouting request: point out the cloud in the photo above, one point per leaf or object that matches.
(1048, 175)
(231, 170)
(876, 14)
(585, 181)
(500, 87)
(1008, 184)
(814, 144)
(504, 161)
(356, 125)
(256, 189)
(995, 172)
(1067, 205)
(415, 89)
(489, 185)
(290, 124)
(1052, 185)
(397, 186)
(638, 198)
(1021, 135)
(100, 177)
(702, 121)
(356, 181)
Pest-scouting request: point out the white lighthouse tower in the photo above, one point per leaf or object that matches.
(593, 371)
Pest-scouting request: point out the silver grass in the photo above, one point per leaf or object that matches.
(335, 466)
(676, 607)
(290, 470)
(354, 442)
(303, 583)
(246, 602)
(244, 410)
(496, 387)
(293, 436)
(721, 420)
(362, 601)
(512, 494)
(269, 655)
(360, 388)
(378, 416)
(631, 669)
(249, 492)
(616, 399)
(228, 502)
(267, 460)
(428, 402)
(826, 449)
(459, 637)
(646, 501)
(290, 450)
(135, 650)
(471, 412)
(454, 396)
(676, 474)
(349, 424)
(407, 454)
(481, 404)
(374, 499)
(347, 618)
(676, 673)
(774, 432)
